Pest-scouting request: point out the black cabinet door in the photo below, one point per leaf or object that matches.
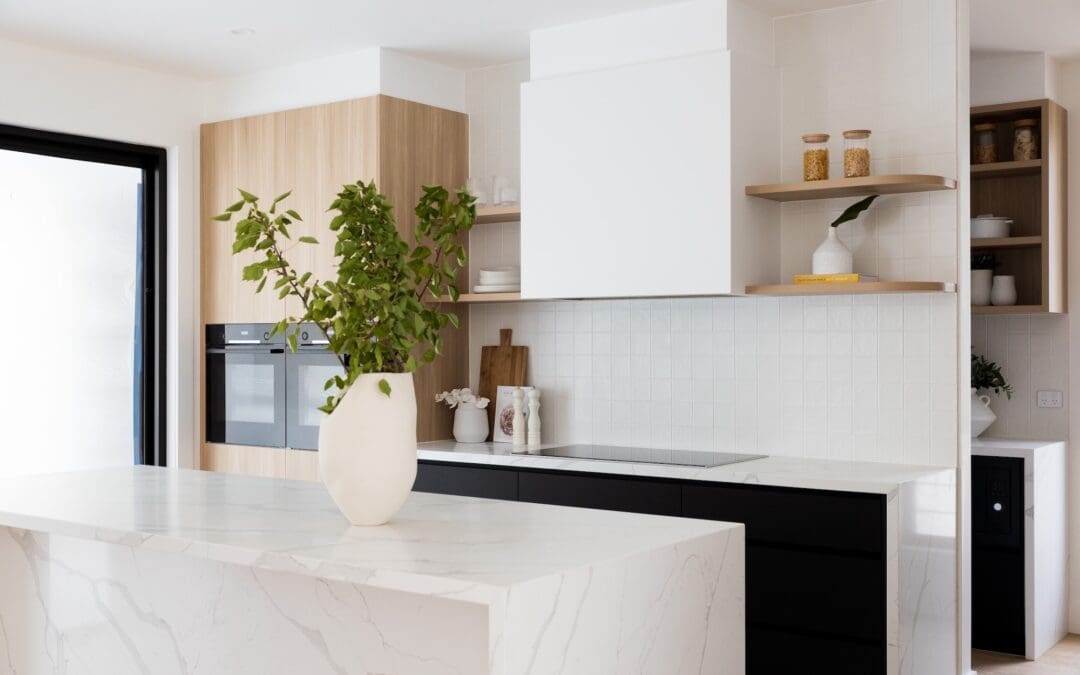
(614, 493)
(774, 651)
(997, 556)
(466, 481)
(815, 591)
(793, 517)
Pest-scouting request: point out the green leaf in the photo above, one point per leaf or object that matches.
(852, 212)
(304, 278)
(384, 387)
(308, 240)
(291, 337)
(262, 283)
(294, 215)
(233, 208)
(248, 197)
(281, 196)
(223, 217)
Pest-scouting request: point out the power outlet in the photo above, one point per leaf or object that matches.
(1048, 399)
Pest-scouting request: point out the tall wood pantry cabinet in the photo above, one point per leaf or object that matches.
(313, 151)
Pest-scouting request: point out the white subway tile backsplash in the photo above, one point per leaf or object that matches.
(740, 374)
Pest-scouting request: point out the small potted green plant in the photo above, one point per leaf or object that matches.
(982, 277)
(986, 376)
(382, 319)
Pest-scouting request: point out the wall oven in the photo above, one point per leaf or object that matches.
(260, 393)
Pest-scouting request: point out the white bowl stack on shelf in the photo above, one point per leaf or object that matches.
(498, 280)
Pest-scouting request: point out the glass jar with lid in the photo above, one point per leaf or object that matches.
(985, 146)
(815, 158)
(1025, 139)
(856, 153)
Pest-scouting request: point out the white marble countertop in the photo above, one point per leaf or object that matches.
(1009, 447)
(436, 544)
(818, 474)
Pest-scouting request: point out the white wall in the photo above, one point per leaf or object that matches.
(70, 93)
(1014, 76)
(336, 78)
(1069, 97)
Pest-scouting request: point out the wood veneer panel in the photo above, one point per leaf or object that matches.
(423, 145)
(248, 460)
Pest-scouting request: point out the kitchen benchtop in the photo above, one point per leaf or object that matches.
(817, 474)
(436, 543)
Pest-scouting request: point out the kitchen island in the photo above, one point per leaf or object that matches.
(137, 570)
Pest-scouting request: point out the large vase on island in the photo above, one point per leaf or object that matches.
(367, 448)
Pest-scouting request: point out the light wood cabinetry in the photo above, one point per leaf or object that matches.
(243, 459)
(301, 465)
(313, 151)
(1033, 193)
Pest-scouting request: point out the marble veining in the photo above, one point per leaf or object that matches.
(144, 570)
(814, 474)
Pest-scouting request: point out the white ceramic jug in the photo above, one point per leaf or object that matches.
(981, 414)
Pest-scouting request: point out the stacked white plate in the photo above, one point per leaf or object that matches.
(498, 280)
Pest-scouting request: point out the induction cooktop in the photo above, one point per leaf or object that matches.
(611, 453)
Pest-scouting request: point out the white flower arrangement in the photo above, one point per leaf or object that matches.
(455, 397)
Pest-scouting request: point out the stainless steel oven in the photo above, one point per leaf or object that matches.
(306, 373)
(245, 385)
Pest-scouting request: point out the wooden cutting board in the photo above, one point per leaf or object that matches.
(501, 365)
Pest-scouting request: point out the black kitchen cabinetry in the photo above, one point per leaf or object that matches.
(815, 569)
(997, 556)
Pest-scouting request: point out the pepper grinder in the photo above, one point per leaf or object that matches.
(534, 418)
(519, 417)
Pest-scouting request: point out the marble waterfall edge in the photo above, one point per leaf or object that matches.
(151, 570)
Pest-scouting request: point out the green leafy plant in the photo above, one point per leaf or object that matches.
(987, 375)
(984, 261)
(852, 212)
(381, 314)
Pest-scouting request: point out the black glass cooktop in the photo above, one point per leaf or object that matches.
(613, 453)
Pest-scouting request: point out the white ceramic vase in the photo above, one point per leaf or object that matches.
(981, 414)
(470, 423)
(367, 448)
(980, 287)
(832, 257)
(1003, 290)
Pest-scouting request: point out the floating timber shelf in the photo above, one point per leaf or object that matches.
(1007, 309)
(498, 214)
(1027, 167)
(484, 297)
(861, 288)
(851, 187)
(1007, 242)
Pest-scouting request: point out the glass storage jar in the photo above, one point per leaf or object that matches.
(1025, 139)
(984, 150)
(856, 153)
(815, 157)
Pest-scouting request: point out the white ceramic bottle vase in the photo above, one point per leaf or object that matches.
(519, 417)
(832, 257)
(534, 418)
(1003, 290)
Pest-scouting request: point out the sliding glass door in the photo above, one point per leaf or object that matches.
(82, 265)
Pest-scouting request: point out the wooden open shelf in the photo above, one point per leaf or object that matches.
(1007, 309)
(860, 288)
(510, 213)
(1027, 167)
(1007, 242)
(484, 297)
(1033, 193)
(851, 187)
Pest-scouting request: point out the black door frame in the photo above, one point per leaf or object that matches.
(150, 447)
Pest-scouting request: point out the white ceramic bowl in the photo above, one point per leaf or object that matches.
(990, 227)
(500, 275)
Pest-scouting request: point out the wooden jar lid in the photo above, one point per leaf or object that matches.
(985, 126)
(856, 134)
(1025, 123)
(815, 138)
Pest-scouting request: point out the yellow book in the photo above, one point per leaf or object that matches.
(832, 278)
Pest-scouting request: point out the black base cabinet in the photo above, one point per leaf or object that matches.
(815, 569)
(997, 555)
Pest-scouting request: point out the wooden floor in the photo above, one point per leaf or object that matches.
(1062, 659)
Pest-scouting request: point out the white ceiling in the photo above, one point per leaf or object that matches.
(1050, 26)
(193, 36)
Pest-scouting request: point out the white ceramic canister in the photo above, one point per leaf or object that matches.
(1003, 290)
